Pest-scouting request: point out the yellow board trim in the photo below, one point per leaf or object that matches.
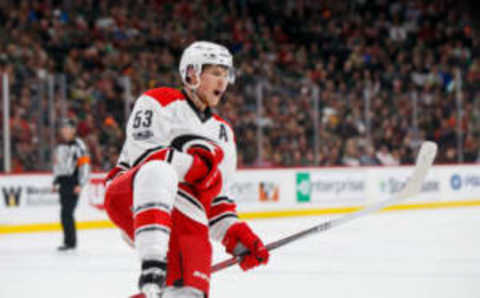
(50, 227)
(102, 224)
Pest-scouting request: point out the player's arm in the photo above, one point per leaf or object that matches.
(56, 169)
(226, 228)
(148, 136)
(234, 234)
(223, 209)
(222, 215)
(83, 163)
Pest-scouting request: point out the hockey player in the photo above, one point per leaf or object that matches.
(169, 190)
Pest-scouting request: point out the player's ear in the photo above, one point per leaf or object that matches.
(192, 78)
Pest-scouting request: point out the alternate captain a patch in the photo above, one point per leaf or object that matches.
(223, 133)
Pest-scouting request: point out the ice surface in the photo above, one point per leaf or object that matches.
(433, 253)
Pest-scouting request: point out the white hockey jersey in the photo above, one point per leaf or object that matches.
(165, 117)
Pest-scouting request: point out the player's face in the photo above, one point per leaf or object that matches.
(213, 83)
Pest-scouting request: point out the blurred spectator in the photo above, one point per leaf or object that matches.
(351, 154)
(368, 156)
(385, 157)
(384, 70)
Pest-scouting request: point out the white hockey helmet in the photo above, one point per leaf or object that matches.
(201, 53)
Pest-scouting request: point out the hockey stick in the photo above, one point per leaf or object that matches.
(424, 161)
(413, 186)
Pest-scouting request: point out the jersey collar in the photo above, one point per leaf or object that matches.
(202, 115)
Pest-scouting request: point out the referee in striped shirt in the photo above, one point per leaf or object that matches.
(71, 168)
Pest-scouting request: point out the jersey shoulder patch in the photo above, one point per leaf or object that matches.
(165, 95)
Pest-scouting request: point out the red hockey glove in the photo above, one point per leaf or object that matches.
(204, 172)
(206, 195)
(199, 169)
(239, 237)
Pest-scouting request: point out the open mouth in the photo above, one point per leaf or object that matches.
(217, 92)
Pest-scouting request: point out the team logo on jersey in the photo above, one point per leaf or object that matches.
(185, 142)
(11, 195)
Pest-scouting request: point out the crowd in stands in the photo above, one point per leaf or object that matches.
(352, 83)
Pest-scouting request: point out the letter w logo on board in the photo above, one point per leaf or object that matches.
(11, 195)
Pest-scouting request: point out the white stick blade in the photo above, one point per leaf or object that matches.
(427, 153)
(425, 159)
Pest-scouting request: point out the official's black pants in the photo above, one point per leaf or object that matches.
(68, 202)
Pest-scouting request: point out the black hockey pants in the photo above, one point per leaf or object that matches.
(68, 202)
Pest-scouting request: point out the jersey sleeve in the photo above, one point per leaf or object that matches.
(149, 133)
(222, 215)
(56, 169)
(223, 209)
(148, 129)
(83, 163)
(121, 166)
(123, 161)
